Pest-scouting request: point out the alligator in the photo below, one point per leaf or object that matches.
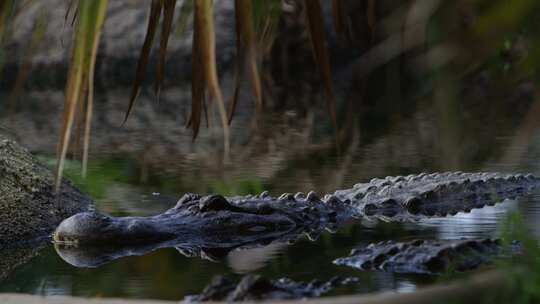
(427, 256)
(213, 221)
(255, 287)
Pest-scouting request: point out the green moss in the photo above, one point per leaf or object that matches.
(101, 174)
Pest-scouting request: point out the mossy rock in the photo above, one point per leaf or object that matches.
(29, 208)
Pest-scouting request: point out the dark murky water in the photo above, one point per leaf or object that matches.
(167, 274)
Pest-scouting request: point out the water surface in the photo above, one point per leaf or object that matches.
(167, 274)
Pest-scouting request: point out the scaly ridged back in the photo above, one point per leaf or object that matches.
(435, 194)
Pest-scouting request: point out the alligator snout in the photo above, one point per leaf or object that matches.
(85, 226)
(95, 228)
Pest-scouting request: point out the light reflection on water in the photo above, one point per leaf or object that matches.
(478, 223)
(406, 287)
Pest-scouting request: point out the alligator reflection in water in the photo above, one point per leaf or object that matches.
(426, 256)
(254, 287)
(213, 225)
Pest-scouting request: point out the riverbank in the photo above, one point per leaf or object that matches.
(29, 208)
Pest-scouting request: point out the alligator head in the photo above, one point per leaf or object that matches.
(198, 223)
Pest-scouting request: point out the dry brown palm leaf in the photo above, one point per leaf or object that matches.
(246, 53)
(371, 19)
(204, 45)
(198, 85)
(315, 23)
(238, 67)
(168, 16)
(72, 91)
(90, 90)
(237, 83)
(91, 16)
(155, 12)
(338, 17)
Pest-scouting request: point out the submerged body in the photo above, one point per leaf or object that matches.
(435, 194)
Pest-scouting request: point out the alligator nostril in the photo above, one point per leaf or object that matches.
(57, 238)
(214, 203)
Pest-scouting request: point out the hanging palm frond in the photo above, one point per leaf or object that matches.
(153, 21)
(91, 15)
(204, 50)
(168, 16)
(314, 18)
(246, 48)
(255, 25)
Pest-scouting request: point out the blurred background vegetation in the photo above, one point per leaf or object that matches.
(416, 86)
(439, 69)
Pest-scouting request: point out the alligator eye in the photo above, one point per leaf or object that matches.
(214, 203)
(413, 204)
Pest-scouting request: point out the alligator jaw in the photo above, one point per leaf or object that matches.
(98, 229)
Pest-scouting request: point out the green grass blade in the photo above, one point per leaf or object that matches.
(204, 13)
(91, 15)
